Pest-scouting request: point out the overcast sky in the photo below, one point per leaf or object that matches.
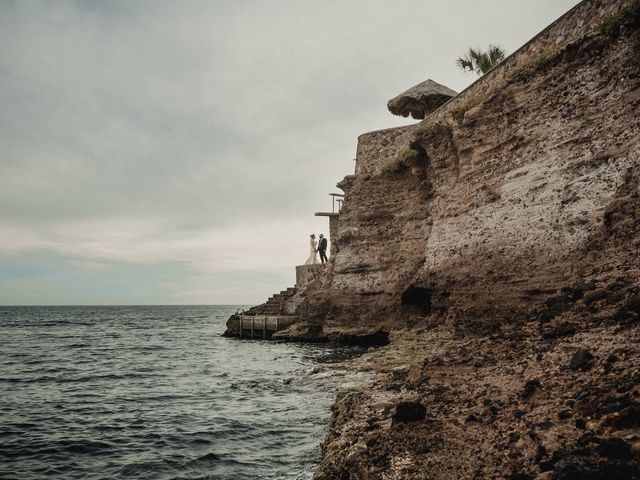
(174, 152)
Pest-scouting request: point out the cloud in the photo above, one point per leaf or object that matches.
(254, 246)
(200, 137)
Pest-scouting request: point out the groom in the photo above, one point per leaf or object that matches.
(322, 249)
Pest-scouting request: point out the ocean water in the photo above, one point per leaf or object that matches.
(155, 393)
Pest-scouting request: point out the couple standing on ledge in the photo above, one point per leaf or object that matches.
(320, 247)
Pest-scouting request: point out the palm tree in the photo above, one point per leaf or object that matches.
(479, 61)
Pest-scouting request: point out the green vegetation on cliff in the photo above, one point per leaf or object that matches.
(407, 158)
(612, 24)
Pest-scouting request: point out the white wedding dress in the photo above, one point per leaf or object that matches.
(312, 260)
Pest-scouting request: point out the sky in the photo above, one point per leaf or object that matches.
(163, 152)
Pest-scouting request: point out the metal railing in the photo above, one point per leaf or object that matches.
(336, 198)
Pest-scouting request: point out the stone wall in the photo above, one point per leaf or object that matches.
(306, 273)
(377, 148)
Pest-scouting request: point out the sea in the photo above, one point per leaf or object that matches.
(155, 392)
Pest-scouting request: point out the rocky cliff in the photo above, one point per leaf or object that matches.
(495, 246)
(503, 262)
(511, 192)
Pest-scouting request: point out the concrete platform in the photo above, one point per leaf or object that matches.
(263, 326)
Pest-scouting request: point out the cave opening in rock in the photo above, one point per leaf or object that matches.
(418, 298)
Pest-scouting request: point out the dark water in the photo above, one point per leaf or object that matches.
(154, 392)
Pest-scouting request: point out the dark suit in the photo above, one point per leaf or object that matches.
(322, 250)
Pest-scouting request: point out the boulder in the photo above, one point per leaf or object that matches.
(582, 359)
(411, 411)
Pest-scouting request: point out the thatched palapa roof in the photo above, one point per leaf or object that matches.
(420, 100)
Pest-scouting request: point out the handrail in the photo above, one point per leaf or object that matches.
(336, 198)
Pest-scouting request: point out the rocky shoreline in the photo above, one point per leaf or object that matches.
(558, 400)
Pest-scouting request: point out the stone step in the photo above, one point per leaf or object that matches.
(268, 312)
(268, 305)
(273, 305)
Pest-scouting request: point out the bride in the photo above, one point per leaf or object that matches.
(312, 260)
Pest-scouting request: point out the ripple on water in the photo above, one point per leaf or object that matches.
(154, 392)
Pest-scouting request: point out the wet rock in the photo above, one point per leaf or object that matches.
(420, 448)
(398, 373)
(624, 315)
(578, 289)
(372, 424)
(520, 476)
(614, 448)
(613, 358)
(578, 467)
(562, 330)
(588, 406)
(585, 393)
(633, 304)
(540, 454)
(615, 297)
(546, 425)
(530, 388)
(564, 414)
(587, 439)
(516, 335)
(409, 412)
(379, 338)
(572, 467)
(581, 360)
(619, 284)
(629, 417)
(555, 306)
(609, 361)
(594, 296)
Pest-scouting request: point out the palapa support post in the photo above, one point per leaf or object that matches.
(264, 328)
(240, 327)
